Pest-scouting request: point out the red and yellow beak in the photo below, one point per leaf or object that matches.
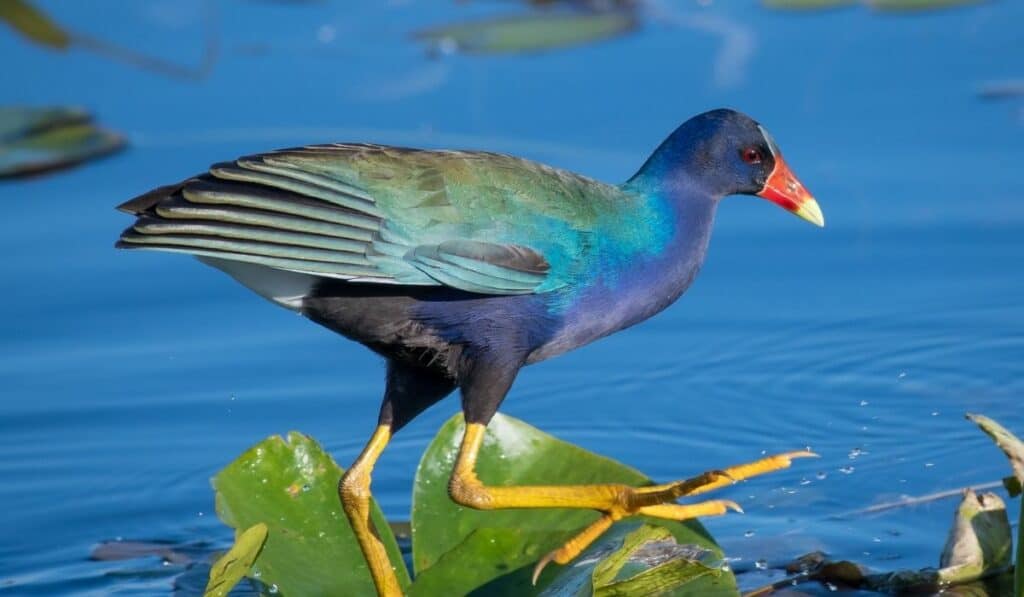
(783, 189)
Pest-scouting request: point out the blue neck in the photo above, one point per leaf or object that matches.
(648, 283)
(662, 278)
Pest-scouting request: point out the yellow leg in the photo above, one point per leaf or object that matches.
(616, 501)
(354, 490)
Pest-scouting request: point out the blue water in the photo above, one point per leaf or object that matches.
(127, 380)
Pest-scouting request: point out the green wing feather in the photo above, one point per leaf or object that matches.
(481, 222)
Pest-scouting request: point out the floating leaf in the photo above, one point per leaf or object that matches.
(917, 5)
(880, 5)
(292, 487)
(807, 4)
(651, 562)
(457, 550)
(528, 33)
(998, 90)
(35, 140)
(635, 559)
(235, 564)
(33, 24)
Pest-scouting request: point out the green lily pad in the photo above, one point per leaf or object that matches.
(291, 486)
(528, 33)
(235, 564)
(35, 140)
(33, 24)
(458, 550)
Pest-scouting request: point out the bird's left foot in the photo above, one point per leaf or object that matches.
(658, 501)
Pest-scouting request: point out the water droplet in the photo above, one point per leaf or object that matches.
(272, 589)
(200, 514)
(935, 413)
(876, 539)
(855, 453)
(306, 487)
(821, 475)
(805, 481)
(761, 564)
(929, 464)
(748, 534)
(846, 470)
(321, 534)
(831, 587)
(256, 574)
(901, 375)
(864, 403)
(263, 480)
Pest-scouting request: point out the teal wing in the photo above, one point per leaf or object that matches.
(480, 222)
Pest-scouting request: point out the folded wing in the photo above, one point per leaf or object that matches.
(348, 212)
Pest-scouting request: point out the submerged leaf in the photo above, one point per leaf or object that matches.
(33, 24)
(292, 487)
(528, 33)
(458, 550)
(234, 565)
(35, 140)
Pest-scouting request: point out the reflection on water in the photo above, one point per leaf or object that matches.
(128, 380)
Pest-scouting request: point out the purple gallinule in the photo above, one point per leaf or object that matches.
(461, 267)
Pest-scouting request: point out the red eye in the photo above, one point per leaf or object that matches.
(751, 155)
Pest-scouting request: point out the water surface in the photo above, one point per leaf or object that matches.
(127, 380)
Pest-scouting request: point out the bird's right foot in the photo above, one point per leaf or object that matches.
(614, 501)
(658, 501)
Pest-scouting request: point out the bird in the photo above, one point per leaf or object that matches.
(461, 267)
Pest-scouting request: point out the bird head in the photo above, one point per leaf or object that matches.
(724, 152)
